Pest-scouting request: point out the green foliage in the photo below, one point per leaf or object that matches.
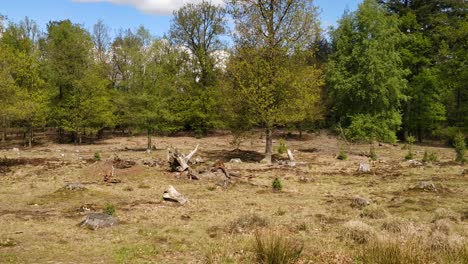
(365, 73)
(430, 156)
(109, 209)
(460, 147)
(276, 248)
(282, 147)
(342, 155)
(410, 141)
(277, 186)
(97, 156)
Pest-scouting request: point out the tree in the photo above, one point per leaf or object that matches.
(268, 69)
(29, 100)
(80, 101)
(365, 76)
(198, 28)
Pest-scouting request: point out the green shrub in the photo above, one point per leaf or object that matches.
(276, 248)
(410, 141)
(430, 156)
(277, 186)
(97, 156)
(372, 153)
(460, 147)
(282, 147)
(342, 155)
(109, 209)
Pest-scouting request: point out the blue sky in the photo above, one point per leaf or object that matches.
(123, 14)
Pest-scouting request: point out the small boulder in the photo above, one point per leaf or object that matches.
(360, 202)
(427, 186)
(235, 161)
(99, 220)
(415, 163)
(74, 187)
(172, 195)
(304, 179)
(364, 168)
(15, 149)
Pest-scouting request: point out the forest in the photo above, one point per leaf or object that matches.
(389, 70)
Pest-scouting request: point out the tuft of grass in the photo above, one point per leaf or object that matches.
(128, 188)
(109, 209)
(430, 157)
(276, 248)
(276, 185)
(358, 231)
(443, 213)
(460, 147)
(247, 223)
(342, 155)
(282, 147)
(143, 186)
(374, 211)
(392, 251)
(372, 154)
(280, 212)
(97, 156)
(394, 224)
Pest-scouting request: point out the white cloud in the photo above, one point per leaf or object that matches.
(158, 7)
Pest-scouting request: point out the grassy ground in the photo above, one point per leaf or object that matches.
(38, 221)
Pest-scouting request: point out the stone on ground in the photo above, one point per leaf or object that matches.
(99, 220)
(172, 195)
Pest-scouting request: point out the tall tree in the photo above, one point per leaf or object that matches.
(270, 40)
(198, 28)
(365, 75)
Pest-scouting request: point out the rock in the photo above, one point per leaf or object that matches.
(304, 179)
(360, 202)
(235, 161)
(153, 162)
(172, 195)
(15, 149)
(74, 187)
(99, 220)
(364, 168)
(123, 164)
(198, 160)
(415, 163)
(427, 186)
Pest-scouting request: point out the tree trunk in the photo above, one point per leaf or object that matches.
(149, 139)
(4, 128)
(300, 131)
(31, 135)
(268, 145)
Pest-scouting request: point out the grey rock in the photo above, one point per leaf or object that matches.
(427, 186)
(172, 195)
(360, 202)
(235, 161)
(364, 167)
(74, 187)
(304, 179)
(99, 220)
(415, 163)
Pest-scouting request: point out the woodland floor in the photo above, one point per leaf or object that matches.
(38, 221)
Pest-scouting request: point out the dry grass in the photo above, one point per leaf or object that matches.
(38, 220)
(275, 247)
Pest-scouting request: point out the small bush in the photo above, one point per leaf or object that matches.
(358, 231)
(109, 209)
(282, 147)
(342, 155)
(277, 186)
(460, 147)
(394, 225)
(410, 141)
(97, 156)
(372, 154)
(430, 156)
(276, 248)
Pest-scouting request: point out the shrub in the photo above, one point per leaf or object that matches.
(394, 225)
(430, 156)
(97, 156)
(372, 153)
(276, 248)
(392, 251)
(342, 155)
(410, 141)
(109, 209)
(277, 186)
(282, 147)
(460, 147)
